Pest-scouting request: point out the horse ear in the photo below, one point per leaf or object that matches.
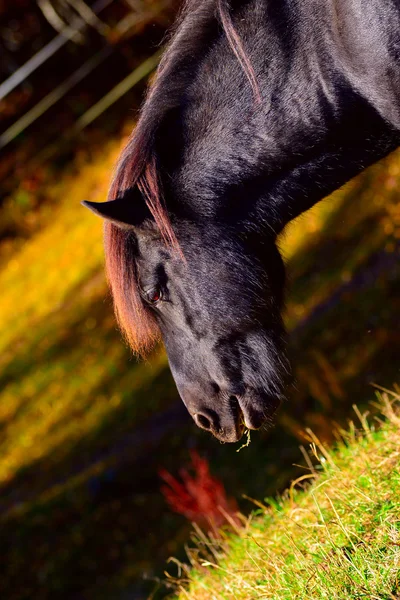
(122, 212)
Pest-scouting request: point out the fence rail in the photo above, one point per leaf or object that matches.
(136, 14)
(45, 53)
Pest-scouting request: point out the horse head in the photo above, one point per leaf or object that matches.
(216, 301)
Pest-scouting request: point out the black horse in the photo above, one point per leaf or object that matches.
(260, 108)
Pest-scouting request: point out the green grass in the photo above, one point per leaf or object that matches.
(337, 539)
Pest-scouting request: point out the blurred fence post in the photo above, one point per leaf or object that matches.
(44, 54)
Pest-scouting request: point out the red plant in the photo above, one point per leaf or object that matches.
(201, 498)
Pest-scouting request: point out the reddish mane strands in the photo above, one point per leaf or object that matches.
(136, 320)
(150, 189)
(237, 47)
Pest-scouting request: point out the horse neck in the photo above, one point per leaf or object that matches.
(328, 108)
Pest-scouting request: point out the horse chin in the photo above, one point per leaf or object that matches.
(231, 437)
(258, 409)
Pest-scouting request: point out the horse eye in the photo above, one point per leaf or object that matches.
(153, 295)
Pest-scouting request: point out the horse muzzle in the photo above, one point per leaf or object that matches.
(228, 418)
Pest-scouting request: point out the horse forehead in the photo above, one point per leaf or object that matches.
(152, 252)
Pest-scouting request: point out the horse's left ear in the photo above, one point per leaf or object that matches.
(121, 212)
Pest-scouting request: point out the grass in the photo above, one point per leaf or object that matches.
(85, 428)
(339, 538)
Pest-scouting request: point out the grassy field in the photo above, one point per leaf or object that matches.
(339, 538)
(85, 428)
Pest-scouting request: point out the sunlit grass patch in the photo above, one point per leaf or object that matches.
(38, 278)
(59, 345)
(339, 538)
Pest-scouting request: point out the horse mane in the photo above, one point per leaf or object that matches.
(137, 165)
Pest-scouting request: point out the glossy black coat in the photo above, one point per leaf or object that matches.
(235, 169)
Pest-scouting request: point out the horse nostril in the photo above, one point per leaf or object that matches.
(215, 387)
(202, 421)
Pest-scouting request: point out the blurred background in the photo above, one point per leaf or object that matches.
(92, 442)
